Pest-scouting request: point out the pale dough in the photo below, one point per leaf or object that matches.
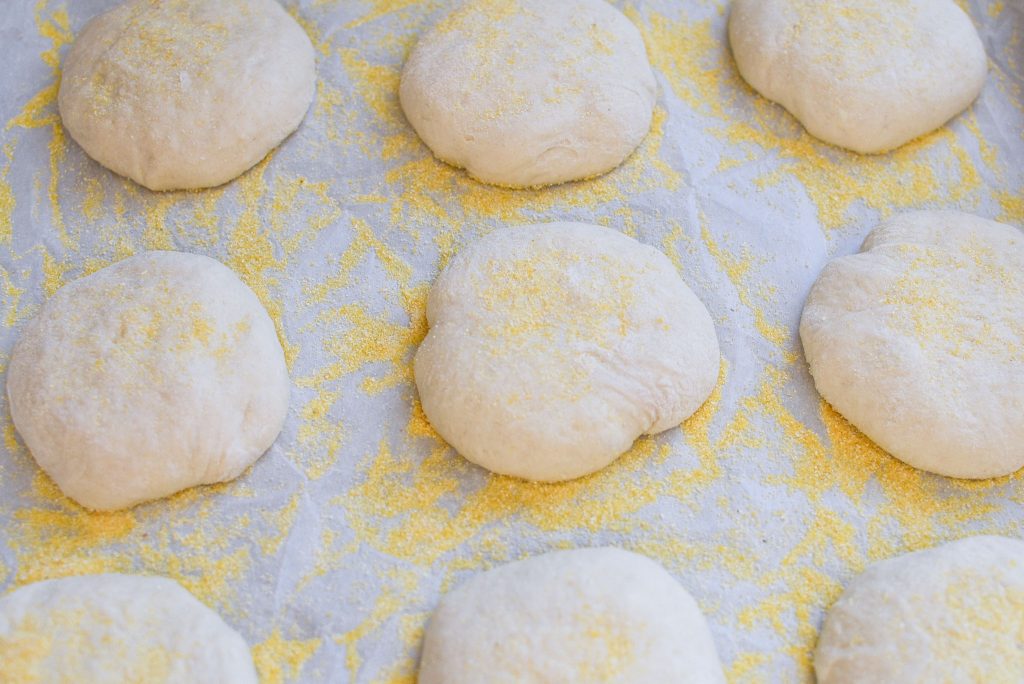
(115, 629)
(553, 347)
(186, 93)
(526, 93)
(919, 341)
(867, 75)
(589, 615)
(158, 373)
(953, 613)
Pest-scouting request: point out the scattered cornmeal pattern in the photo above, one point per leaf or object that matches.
(330, 553)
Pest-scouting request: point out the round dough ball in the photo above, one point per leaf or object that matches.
(186, 93)
(153, 375)
(867, 75)
(953, 613)
(98, 629)
(553, 347)
(589, 615)
(525, 93)
(919, 342)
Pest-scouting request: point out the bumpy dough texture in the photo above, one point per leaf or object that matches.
(527, 93)
(589, 615)
(158, 373)
(919, 342)
(553, 347)
(867, 75)
(186, 93)
(953, 613)
(112, 629)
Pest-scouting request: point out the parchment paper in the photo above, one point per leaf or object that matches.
(329, 554)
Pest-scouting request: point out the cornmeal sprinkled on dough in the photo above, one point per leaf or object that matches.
(928, 300)
(986, 622)
(765, 502)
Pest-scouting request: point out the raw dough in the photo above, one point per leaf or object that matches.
(158, 373)
(953, 613)
(106, 629)
(589, 615)
(919, 341)
(186, 93)
(553, 347)
(868, 75)
(530, 92)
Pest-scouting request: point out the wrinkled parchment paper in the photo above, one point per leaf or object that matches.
(329, 554)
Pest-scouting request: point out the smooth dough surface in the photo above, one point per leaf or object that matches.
(953, 613)
(186, 93)
(867, 75)
(588, 615)
(158, 373)
(107, 629)
(526, 93)
(918, 341)
(553, 347)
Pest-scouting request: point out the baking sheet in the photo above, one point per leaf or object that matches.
(329, 554)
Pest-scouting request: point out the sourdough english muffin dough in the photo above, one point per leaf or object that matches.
(867, 75)
(528, 93)
(153, 375)
(553, 347)
(918, 340)
(953, 613)
(186, 93)
(588, 615)
(101, 629)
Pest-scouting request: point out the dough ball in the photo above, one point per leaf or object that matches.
(153, 375)
(918, 340)
(553, 347)
(953, 613)
(525, 93)
(101, 629)
(867, 75)
(186, 93)
(589, 615)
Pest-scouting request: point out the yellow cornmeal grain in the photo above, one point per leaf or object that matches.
(369, 339)
(7, 200)
(281, 521)
(410, 634)
(389, 602)
(738, 270)
(745, 668)
(279, 660)
(616, 653)
(1012, 204)
(251, 253)
(12, 295)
